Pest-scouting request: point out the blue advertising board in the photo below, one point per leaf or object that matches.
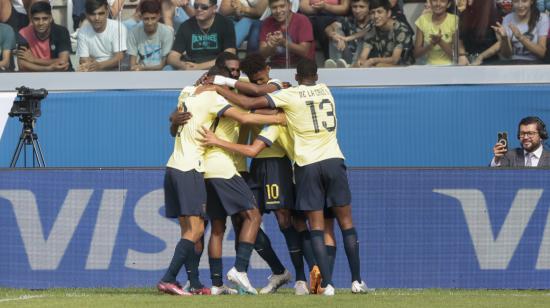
(418, 228)
(435, 126)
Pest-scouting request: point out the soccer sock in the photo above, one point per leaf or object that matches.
(331, 253)
(296, 256)
(192, 266)
(243, 256)
(183, 249)
(351, 245)
(216, 268)
(318, 244)
(307, 249)
(265, 250)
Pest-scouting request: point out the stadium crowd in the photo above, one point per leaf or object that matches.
(189, 34)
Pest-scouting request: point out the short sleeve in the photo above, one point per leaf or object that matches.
(119, 44)
(167, 39)
(8, 41)
(269, 134)
(63, 42)
(279, 99)
(132, 43)
(82, 49)
(229, 40)
(219, 105)
(264, 29)
(179, 42)
(543, 25)
(306, 30)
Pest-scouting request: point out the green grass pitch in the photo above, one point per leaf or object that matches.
(140, 297)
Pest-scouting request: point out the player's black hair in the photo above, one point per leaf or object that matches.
(306, 68)
(225, 56)
(252, 64)
(216, 70)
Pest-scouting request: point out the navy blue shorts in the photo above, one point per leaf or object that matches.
(184, 193)
(227, 197)
(322, 185)
(271, 182)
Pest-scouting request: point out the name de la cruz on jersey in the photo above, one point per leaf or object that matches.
(314, 92)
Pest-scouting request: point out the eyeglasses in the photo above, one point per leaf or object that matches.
(528, 134)
(201, 6)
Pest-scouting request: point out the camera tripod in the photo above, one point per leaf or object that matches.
(28, 137)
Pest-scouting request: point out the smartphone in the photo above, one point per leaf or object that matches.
(502, 138)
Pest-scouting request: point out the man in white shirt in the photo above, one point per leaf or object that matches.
(531, 134)
(101, 42)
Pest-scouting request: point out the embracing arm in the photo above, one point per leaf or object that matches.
(254, 119)
(243, 101)
(209, 138)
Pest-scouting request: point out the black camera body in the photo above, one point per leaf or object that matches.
(27, 102)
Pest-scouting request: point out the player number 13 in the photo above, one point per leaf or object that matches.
(326, 104)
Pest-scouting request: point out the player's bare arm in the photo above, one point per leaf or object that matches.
(255, 119)
(243, 101)
(250, 150)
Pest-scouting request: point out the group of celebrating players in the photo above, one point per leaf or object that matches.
(297, 171)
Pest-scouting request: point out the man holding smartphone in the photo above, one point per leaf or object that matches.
(531, 134)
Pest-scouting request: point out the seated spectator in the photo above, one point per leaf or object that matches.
(543, 5)
(477, 42)
(78, 13)
(321, 13)
(246, 17)
(14, 13)
(201, 38)
(7, 44)
(397, 13)
(176, 12)
(285, 32)
(43, 45)
(391, 44)
(435, 34)
(504, 7)
(523, 34)
(102, 41)
(531, 134)
(346, 35)
(150, 41)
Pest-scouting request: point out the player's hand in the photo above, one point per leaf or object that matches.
(499, 150)
(208, 137)
(281, 117)
(206, 80)
(180, 118)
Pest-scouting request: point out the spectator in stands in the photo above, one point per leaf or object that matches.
(14, 12)
(543, 5)
(391, 43)
(321, 13)
(102, 41)
(477, 42)
(150, 42)
(7, 44)
(246, 17)
(523, 33)
(176, 12)
(79, 10)
(346, 35)
(435, 34)
(286, 37)
(201, 38)
(397, 12)
(43, 46)
(504, 7)
(531, 134)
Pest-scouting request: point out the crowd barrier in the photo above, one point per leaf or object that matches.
(418, 126)
(418, 228)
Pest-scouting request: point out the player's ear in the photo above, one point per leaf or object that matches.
(316, 77)
(297, 78)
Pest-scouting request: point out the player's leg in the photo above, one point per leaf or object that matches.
(330, 241)
(304, 237)
(292, 239)
(184, 196)
(317, 226)
(339, 200)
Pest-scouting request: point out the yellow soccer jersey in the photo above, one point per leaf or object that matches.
(311, 118)
(220, 163)
(279, 141)
(205, 107)
(240, 160)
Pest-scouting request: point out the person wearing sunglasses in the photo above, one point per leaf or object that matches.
(201, 38)
(532, 153)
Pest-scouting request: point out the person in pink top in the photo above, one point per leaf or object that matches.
(43, 45)
(286, 37)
